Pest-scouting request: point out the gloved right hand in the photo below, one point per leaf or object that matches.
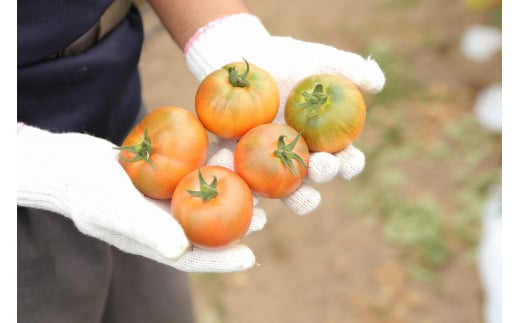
(79, 176)
(235, 37)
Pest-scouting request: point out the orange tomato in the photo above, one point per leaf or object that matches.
(168, 143)
(229, 103)
(214, 206)
(272, 158)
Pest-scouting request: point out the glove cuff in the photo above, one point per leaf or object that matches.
(35, 189)
(223, 41)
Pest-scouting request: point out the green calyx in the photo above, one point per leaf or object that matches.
(238, 80)
(142, 151)
(207, 192)
(286, 154)
(313, 101)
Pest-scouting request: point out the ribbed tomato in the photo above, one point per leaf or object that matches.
(272, 158)
(229, 103)
(168, 143)
(329, 111)
(214, 206)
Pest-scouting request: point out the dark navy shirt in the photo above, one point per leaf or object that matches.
(96, 92)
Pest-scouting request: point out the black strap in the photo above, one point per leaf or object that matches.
(114, 14)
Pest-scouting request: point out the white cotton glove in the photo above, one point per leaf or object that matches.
(79, 176)
(288, 60)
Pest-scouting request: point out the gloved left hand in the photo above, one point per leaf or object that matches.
(79, 176)
(243, 36)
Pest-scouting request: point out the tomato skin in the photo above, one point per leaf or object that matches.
(218, 222)
(230, 111)
(337, 123)
(256, 163)
(180, 145)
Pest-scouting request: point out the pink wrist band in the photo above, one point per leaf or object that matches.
(212, 24)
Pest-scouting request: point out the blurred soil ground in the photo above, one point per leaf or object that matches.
(396, 243)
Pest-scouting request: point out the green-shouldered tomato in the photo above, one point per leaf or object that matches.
(329, 111)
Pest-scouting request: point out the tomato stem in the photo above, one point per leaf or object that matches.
(286, 155)
(207, 192)
(314, 101)
(142, 151)
(238, 80)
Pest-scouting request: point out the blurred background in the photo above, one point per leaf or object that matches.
(401, 242)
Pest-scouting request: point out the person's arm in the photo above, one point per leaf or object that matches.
(183, 18)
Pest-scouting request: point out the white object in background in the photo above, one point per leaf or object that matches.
(488, 107)
(490, 257)
(479, 43)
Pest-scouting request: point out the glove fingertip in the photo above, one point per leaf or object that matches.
(174, 251)
(303, 201)
(258, 220)
(323, 167)
(237, 257)
(167, 237)
(158, 230)
(375, 79)
(242, 258)
(352, 162)
(364, 72)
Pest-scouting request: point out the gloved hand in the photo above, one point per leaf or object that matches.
(235, 37)
(79, 176)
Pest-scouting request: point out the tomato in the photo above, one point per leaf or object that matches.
(229, 103)
(328, 109)
(272, 158)
(168, 143)
(214, 206)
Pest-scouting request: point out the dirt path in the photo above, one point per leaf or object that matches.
(337, 264)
